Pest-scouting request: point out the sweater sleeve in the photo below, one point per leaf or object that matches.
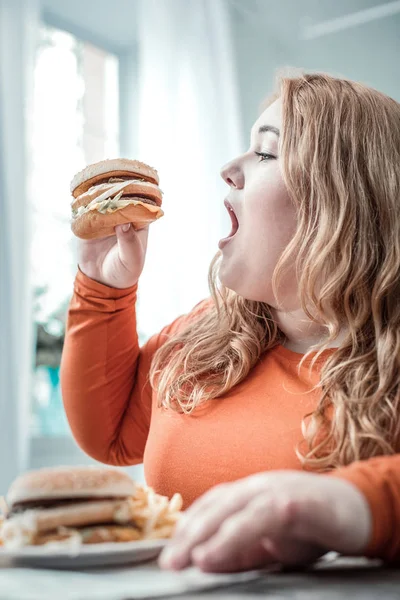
(104, 374)
(379, 480)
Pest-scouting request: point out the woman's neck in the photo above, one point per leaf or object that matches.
(300, 332)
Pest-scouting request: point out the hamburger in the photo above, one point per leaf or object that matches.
(84, 505)
(114, 192)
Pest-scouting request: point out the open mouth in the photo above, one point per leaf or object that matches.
(235, 224)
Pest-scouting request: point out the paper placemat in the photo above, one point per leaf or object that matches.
(142, 581)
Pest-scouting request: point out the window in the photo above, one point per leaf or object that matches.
(75, 122)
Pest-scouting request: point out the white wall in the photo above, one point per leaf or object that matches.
(257, 57)
(368, 53)
(267, 35)
(269, 39)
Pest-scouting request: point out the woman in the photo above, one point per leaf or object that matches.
(292, 366)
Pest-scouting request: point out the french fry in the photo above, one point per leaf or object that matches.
(155, 515)
(175, 504)
(160, 533)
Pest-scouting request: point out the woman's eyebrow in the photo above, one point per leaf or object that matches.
(265, 128)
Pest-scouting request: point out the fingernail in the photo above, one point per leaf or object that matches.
(173, 559)
(126, 227)
(166, 558)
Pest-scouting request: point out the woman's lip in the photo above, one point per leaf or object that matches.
(228, 204)
(235, 225)
(222, 243)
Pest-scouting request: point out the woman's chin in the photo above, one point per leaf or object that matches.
(227, 276)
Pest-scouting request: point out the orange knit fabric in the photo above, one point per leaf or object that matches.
(114, 417)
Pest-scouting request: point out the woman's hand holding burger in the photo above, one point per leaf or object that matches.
(116, 261)
(114, 201)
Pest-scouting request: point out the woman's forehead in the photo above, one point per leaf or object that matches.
(271, 118)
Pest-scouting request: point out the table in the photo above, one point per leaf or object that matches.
(338, 578)
(357, 579)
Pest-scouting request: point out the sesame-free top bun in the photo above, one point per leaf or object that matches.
(70, 482)
(116, 167)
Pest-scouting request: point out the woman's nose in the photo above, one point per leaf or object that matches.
(232, 174)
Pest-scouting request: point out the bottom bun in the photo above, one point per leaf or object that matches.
(99, 534)
(94, 224)
(110, 533)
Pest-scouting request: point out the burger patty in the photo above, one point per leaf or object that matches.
(141, 198)
(44, 503)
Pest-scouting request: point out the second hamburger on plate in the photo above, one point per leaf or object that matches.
(85, 505)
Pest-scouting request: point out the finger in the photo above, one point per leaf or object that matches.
(130, 242)
(199, 506)
(255, 557)
(291, 552)
(202, 522)
(240, 532)
(216, 498)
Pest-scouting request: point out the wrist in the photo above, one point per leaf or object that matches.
(354, 516)
(88, 286)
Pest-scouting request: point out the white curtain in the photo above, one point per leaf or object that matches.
(189, 126)
(18, 26)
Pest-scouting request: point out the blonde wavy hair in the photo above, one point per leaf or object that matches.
(340, 152)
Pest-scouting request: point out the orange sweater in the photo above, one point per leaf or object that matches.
(113, 413)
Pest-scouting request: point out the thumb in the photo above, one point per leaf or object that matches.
(131, 243)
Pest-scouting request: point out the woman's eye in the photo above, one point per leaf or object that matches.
(264, 156)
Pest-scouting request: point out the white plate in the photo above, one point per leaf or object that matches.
(86, 556)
